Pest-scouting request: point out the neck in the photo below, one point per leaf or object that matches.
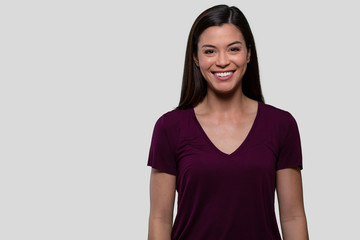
(217, 103)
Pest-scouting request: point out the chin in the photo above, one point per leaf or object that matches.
(224, 92)
(225, 89)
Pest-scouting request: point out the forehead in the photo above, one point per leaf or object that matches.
(221, 34)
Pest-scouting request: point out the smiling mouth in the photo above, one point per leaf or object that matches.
(223, 74)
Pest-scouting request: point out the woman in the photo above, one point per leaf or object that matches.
(223, 149)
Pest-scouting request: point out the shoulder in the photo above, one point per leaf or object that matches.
(279, 120)
(170, 125)
(276, 114)
(172, 122)
(173, 117)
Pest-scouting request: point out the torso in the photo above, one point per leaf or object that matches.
(222, 195)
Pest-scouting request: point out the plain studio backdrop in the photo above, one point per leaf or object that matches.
(83, 83)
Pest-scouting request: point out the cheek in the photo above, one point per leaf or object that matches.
(205, 73)
(205, 63)
(241, 61)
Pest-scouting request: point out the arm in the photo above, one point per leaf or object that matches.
(291, 206)
(162, 197)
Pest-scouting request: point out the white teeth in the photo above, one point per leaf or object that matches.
(223, 74)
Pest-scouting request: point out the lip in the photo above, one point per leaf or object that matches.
(223, 78)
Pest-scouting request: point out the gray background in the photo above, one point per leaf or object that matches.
(83, 82)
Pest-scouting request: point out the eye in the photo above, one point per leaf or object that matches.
(234, 49)
(209, 51)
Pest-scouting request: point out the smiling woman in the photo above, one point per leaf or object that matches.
(223, 149)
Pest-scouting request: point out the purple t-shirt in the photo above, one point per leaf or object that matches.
(225, 196)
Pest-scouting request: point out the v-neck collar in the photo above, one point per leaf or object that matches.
(241, 146)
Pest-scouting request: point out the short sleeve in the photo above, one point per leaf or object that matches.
(162, 151)
(290, 153)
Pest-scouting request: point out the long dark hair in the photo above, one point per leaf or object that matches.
(194, 86)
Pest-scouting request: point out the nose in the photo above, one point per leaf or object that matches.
(222, 60)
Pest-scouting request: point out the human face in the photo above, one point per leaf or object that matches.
(222, 57)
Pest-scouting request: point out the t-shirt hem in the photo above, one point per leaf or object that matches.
(161, 169)
(294, 166)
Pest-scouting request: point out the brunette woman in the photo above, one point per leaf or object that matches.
(223, 149)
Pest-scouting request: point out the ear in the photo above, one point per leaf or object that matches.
(196, 60)
(248, 55)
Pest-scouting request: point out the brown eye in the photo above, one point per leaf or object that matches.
(209, 51)
(234, 49)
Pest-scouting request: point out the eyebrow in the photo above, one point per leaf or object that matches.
(212, 46)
